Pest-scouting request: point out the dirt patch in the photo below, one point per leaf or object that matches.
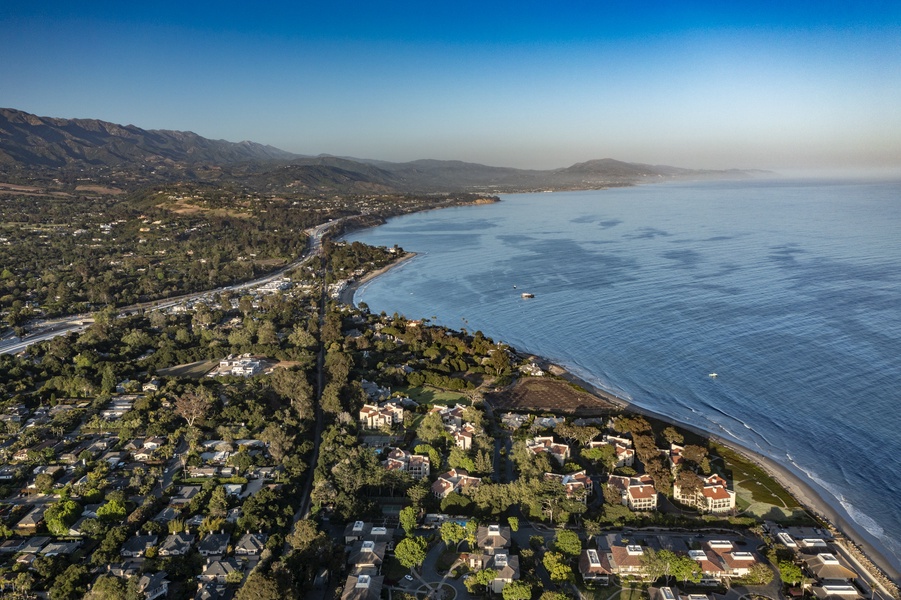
(184, 208)
(98, 189)
(538, 394)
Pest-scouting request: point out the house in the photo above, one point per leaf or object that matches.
(505, 565)
(9, 472)
(625, 455)
(34, 544)
(137, 545)
(154, 443)
(33, 519)
(154, 586)
(626, 560)
(452, 481)
(493, 538)
(184, 494)
(710, 565)
(376, 416)
(367, 554)
(167, 514)
(218, 570)
(250, 544)
(463, 436)
(451, 416)
(559, 452)
(215, 544)
(577, 485)
(637, 493)
(734, 563)
(359, 531)
(177, 544)
(60, 548)
(834, 591)
(711, 495)
(125, 570)
(12, 546)
(363, 587)
(417, 466)
(828, 567)
(593, 566)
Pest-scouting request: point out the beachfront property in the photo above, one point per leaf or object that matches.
(638, 493)
(712, 495)
(625, 454)
(560, 452)
(416, 465)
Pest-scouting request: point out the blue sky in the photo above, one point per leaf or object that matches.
(525, 84)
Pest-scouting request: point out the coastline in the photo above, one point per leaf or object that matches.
(808, 497)
(347, 294)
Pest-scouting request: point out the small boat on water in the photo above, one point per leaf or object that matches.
(712, 375)
(527, 295)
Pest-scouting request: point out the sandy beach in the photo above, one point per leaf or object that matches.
(803, 492)
(347, 295)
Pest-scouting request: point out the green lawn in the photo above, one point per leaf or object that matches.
(196, 369)
(430, 395)
(758, 495)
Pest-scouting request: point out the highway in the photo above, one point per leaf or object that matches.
(48, 329)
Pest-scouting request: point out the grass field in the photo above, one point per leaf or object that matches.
(430, 395)
(197, 369)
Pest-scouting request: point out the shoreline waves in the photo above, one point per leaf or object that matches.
(803, 492)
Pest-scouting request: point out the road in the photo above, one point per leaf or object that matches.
(50, 328)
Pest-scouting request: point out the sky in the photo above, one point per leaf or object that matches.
(529, 84)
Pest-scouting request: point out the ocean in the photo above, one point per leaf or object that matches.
(788, 290)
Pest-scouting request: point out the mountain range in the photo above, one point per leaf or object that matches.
(128, 156)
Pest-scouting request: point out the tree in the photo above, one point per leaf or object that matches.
(481, 578)
(517, 590)
(307, 538)
(452, 533)
(408, 519)
(218, 506)
(431, 429)
(685, 569)
(410, 551)
(70, 584)
(790, 573)
(671, 435)
(434, 456)
(568, 542)
(194, 405)
(107, 587)
(557, 567)
(44, 483)
(759, 574)
(514, 523)
(61, 515)
(113, 511)
(262, 586)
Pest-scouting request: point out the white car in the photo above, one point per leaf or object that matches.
(408, 577)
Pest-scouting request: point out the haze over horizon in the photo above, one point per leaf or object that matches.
(520, 84)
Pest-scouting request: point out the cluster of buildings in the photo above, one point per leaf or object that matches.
(827, 570)
(245, 365)
(620, 555)
(366, 546)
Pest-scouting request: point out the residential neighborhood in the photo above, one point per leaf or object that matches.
(281, 444)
